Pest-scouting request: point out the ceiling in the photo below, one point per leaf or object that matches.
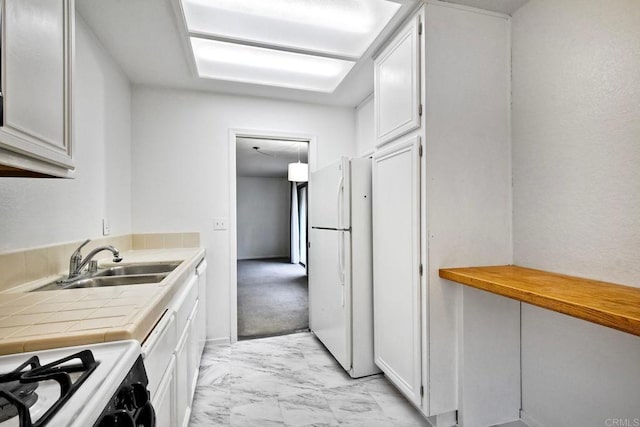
(272, 158)
(148, 41)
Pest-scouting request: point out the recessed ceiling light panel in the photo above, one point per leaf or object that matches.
(250, 64)
(343, 28)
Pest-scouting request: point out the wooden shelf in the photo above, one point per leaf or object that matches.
(608, 304)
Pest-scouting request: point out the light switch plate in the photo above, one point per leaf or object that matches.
(220, 223)
(106, 227)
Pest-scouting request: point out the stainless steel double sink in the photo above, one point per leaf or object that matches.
(131, 274)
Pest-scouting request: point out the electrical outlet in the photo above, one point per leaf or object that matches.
(220, 223)
(106, 227)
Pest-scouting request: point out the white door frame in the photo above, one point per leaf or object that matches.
(233, 232)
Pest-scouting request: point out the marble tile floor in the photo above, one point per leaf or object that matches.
(291, 380)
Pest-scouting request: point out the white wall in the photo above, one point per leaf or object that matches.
(181, 157)
(36, 212)
(263, 217)
(365, 128)
(576, 152)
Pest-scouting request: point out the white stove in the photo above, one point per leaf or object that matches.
(93, 385)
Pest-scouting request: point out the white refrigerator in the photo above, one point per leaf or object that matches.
(340, 263)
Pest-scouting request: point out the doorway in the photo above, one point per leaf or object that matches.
(271, 230)
(303, 215)
(299, 216)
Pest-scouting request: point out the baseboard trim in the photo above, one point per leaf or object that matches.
(218, 341)
(277, 334)
(447, 419)
(529, 420)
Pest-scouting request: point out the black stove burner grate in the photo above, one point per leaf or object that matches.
(10, 383)
(15, 386)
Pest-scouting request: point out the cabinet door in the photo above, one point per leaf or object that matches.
(396, 265)
(184, 302)
(37, 53)
(194, 354)
(201, 319)
(397, 84)
(158, 349)
(164, 401)
(182, 380)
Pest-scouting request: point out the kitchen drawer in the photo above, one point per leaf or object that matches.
(158, 349)
(184, 302)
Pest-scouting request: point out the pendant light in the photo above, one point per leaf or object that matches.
(298, 172)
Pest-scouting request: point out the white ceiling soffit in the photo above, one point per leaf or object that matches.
(302, 44)
(344, 28)
(241, 63)
(270, 160)
(500, 6)
(149, 42)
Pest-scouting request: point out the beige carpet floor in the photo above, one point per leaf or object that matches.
(272, 298)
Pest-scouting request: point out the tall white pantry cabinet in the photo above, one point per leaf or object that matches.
(442, 198)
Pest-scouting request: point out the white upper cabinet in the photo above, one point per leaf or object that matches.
(37, 58)
(397, 84)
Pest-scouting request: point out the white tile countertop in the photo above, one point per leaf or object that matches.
(32, 321)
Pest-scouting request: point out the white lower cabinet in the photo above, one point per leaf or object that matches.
(193, 353)
(201, 317)
(172, 353)
(158, 350)
(164, 399)
(187, 363)
(183, 379)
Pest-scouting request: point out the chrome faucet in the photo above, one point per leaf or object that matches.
(76, 263)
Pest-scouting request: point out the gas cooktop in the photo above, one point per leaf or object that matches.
(99, 384)
(35, 392)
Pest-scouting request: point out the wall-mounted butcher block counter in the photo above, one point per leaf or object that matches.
(608, 304)
(32, 321)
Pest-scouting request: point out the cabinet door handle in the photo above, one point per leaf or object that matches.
(202, 267)
(340, 191)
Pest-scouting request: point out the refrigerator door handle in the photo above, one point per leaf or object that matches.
(341, 266)
(340, 259)
(339, 193)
